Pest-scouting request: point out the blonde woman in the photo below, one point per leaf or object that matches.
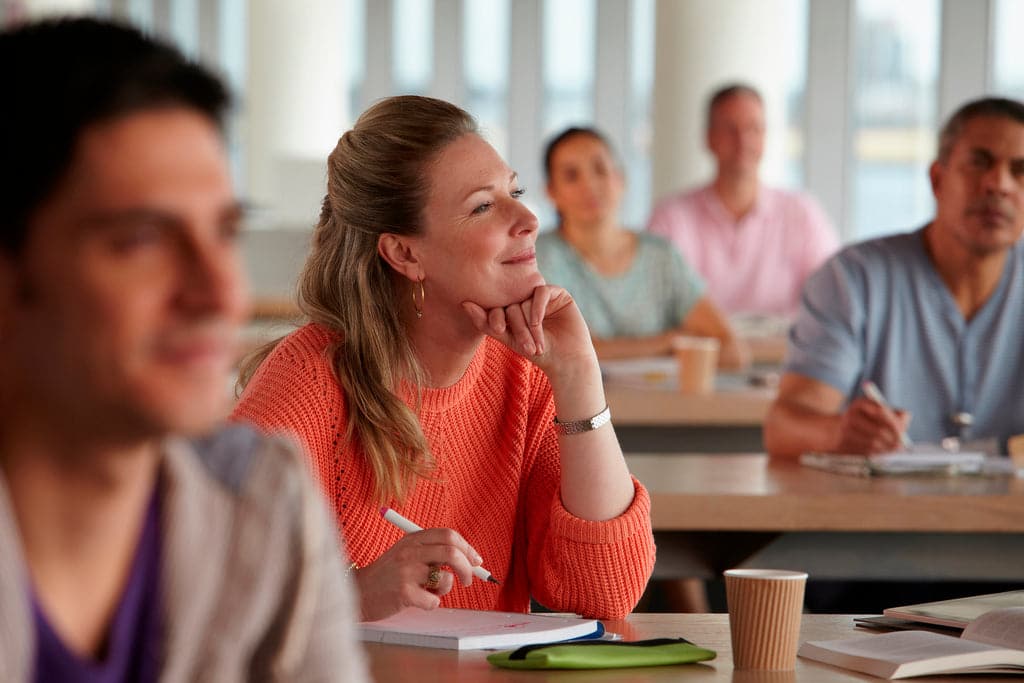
(439, 375)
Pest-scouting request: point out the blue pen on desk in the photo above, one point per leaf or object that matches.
(872, 391)
(411, 527)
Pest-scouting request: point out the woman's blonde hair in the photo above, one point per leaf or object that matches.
(377, 182)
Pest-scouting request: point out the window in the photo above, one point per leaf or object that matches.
(486, 58)
(1008, 64)
(896, 48)
(413, 45)
(569, 51)
(354, 33)
(636, 148)
(795, 79)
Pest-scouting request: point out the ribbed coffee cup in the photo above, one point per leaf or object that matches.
(764, 617)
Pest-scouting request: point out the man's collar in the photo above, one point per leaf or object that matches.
(717, 207)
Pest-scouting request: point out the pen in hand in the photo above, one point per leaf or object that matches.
(411, 527)
(872, 391)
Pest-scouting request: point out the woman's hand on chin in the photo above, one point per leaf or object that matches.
(546, 327)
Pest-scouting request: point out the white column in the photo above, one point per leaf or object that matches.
(378, 80)
(612, 89)
(295, 106)
(828, 110)
(968, 44)
(699, 46)
(449, 82)
(525, 99)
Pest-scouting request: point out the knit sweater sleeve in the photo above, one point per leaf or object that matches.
(293, 392)
(597, 569)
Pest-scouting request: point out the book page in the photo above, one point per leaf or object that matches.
(1003, 627)
(910, 653)
(957, 612)
(902, 647)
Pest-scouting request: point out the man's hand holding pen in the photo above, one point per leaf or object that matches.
(869, 425)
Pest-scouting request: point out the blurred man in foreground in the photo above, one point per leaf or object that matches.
(138, 542)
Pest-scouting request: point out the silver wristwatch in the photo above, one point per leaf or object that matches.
(587, 425)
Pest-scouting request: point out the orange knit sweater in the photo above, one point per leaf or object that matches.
(496, 482)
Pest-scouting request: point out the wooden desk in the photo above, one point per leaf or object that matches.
(770, 350)
(401, 663)
(272, 308)
(650, 419)
(634, 406)
(711, 512)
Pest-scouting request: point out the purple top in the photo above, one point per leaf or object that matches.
(132, 647)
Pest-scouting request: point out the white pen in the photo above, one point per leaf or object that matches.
(411, 527)
(872, 391)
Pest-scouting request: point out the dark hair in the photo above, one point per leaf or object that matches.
(549, 149)
(731, 90)
(986, 106)
(60, 76)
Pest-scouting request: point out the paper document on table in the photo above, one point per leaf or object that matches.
(921, 459)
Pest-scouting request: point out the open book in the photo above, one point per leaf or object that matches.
(992, 643)
(959, 612)
(465, 629)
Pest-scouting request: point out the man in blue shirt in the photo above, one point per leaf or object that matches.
(933, 317)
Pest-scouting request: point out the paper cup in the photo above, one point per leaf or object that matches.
(764, 617)
(755, 676)
(698, 360)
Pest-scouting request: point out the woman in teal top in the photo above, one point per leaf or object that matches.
(633, 289)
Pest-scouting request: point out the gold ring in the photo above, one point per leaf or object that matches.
(433, 578)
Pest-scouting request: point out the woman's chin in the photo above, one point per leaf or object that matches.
(514, 294)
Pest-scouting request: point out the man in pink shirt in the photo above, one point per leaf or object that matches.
(754, 245)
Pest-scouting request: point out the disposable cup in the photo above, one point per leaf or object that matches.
(764, 617)
(697, 358)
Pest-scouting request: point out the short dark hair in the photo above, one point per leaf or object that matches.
(727, 91)
(60, 76)
(986, 106)
(553, 143)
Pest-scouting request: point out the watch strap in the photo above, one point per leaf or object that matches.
(587, 425)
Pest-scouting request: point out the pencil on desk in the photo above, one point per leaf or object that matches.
(872, 391)
(411, 527)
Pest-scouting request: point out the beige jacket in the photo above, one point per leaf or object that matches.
(252, 580)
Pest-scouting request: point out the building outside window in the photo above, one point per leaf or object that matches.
(894, 114)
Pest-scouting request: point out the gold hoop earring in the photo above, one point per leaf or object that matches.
(418, 305)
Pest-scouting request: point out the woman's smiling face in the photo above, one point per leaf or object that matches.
(477, 242)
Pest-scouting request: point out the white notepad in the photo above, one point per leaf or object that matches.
(912, 462)
(463, 629)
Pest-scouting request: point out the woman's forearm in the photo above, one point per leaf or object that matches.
(595, 480)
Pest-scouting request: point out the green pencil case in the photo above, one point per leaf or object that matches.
(602, 654)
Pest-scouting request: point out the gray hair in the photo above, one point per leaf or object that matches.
(986, 106)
